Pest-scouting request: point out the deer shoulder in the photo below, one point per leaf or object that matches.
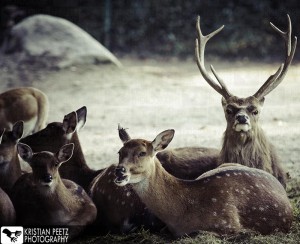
(244, 140)
(226, 200)
(43, 198)
(27, 104)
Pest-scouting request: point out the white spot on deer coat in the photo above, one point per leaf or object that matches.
(227, 174)
(214, 199)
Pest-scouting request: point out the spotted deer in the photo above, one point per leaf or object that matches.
(27, 104)
(57, 134)
(43, 198)
(224, 201)
(7, 210)
(121, 210)
(244, 140)
(10, 169)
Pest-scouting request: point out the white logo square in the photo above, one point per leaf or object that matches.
(12, 235)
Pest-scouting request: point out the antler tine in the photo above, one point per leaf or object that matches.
(274, 80)
(200, 44)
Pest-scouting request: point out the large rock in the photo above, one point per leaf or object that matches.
(55, 42)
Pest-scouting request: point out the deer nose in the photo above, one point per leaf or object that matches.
(242, 119)
(119, 171)
(47, 178)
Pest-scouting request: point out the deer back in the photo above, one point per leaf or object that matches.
(27, 104)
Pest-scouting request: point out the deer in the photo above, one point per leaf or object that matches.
(244, 141)
(121, 210)
(7, 210)
(10, 168)
(57, 134)
(43, 198)
(224, 201)
(27, 104)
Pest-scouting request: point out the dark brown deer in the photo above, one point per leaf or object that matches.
(7, 210)
(244, 140)
(42, 198)
(27, 104)
(57, 134)
(226, 200)
(10, 169)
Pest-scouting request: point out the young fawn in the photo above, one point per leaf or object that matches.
(10, 169)
(27, 104)
(57, 134)
(225, 200)
(43, 198)
(244, 140)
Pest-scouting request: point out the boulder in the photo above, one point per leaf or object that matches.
(55, 42)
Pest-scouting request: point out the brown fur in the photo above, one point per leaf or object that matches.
(57, 134)
(251, 148)
(226, 200)
(10, 169)
(41, 201)
(7, 210)
(26, 104)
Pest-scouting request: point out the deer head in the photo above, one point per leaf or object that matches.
(135, 154)
(45, 164)
(242, 113)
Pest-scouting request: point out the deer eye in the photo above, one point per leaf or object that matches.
(229, 111)
(142, 154)
(255, 112)
(56, 164)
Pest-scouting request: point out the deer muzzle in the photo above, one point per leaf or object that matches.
(122, 178)
(242, 122)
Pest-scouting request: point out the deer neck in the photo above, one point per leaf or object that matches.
(59, 196)
(156, 191)
(77, 159)
(247, 148)
(10, 172)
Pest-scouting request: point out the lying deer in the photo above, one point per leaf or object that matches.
(7, 210)
(244, 140)
(225, 200)
(27, 104)
(10, 169)
(57, 134)
(120, 208)
(43, 198)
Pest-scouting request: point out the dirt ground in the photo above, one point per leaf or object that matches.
(149, 96)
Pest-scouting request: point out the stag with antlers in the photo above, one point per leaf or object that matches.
(244, 140)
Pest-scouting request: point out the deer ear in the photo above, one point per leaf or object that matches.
(162, 140)
(24, 151)
(261, 101)
(81, 117)
(17, 130)
(124, 136)
(65, 152)
(70, 123)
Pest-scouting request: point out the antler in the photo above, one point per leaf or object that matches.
(199, 52)
(274, 80)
